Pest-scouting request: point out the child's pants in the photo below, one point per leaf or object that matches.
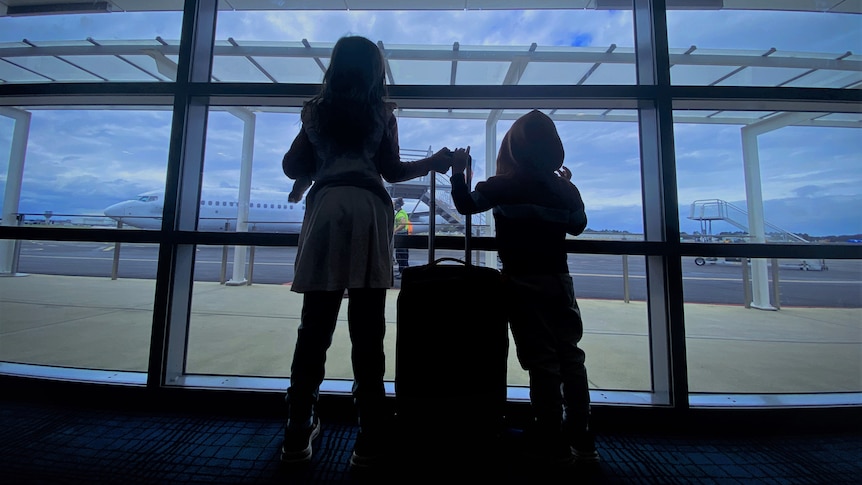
(546, 326)
(367, 325)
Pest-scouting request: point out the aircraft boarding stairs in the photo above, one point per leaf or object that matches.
(420, 189)
(708, 210)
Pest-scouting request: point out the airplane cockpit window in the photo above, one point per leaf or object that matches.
(148, 198)
(210, 202)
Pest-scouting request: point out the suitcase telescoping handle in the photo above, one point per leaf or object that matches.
(450, 259)
(432, 213)
(432, 219)
(468, 221)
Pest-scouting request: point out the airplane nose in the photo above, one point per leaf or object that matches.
(115, 211)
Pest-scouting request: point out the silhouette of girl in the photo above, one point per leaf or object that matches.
(347, 145)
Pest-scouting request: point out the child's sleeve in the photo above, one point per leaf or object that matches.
(298, 164)
(388, 158)
(471, 202)
(299, 159)
(577, 215)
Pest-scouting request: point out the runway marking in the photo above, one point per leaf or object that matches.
(780, 280)
(726, 337)
(77, 258)
(716, 278)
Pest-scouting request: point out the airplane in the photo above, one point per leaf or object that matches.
(269, 211)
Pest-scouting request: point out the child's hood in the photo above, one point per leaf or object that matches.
(534, 143)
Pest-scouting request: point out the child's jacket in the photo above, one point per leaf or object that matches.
(533, 207)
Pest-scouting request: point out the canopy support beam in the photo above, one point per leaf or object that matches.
(14, 179)
(239, 252)
(754, 199)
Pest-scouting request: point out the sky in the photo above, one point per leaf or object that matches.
(80, 161)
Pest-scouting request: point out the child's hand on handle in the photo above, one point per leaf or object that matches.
(461, 160)
(442, 160)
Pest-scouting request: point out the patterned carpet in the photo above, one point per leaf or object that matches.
(45, 443)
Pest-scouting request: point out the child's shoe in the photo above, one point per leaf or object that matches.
(549, 449)
(584, 448)
(369, 451)
(297, 442)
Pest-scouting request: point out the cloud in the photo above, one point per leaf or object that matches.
(616, 218)
(816, 215)
(474, 27)
(786, 31)
(135, 25)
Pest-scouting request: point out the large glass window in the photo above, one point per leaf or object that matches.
(43, 44)
(813, 49)
(433, 47)
(71, 305)
(249, 330)
(94, 167)
(771, 325)
(245, 147)
(808, 341)
(763, 176)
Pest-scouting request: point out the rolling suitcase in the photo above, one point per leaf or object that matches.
(451, 357)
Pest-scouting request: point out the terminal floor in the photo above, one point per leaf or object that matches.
(45, 441)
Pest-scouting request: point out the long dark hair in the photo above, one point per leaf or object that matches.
(353, 92)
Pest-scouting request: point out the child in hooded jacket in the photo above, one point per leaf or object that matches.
(535, 205)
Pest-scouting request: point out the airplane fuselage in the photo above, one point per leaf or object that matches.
(267, 212)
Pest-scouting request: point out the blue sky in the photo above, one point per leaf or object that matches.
(79, 162)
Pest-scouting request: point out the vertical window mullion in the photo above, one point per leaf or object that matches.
(182, 191)
(661, 218)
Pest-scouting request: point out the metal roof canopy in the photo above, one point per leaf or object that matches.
(303, 62)
(46, 7)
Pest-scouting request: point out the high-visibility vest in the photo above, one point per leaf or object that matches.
(400, 216)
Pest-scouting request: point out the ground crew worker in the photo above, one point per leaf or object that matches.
(402, 226)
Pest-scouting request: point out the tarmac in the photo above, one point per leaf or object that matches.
(100, 323)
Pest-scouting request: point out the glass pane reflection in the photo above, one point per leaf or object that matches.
(809, 339)
(730, 47)
(86, 168)
(64, 308)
